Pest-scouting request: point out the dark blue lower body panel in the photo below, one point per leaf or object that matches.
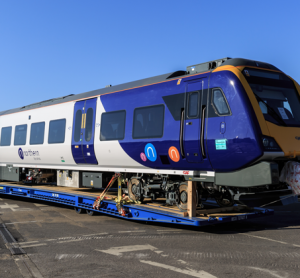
(129, 211)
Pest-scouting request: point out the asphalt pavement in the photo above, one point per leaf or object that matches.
(54, 241)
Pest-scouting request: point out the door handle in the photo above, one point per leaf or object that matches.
(202, 132)
(181, 133)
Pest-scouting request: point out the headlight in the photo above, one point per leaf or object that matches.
(266, 142)
(270, 145)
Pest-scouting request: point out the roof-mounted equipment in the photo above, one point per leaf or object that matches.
(207, 66)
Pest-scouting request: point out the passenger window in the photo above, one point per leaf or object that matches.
(89, 124)
(57, 131)
(37, 131)
(5, 136)
(193, 105)
(20, 135)
(219, 102)
(113, 126)
(148, 122)
(77, 130)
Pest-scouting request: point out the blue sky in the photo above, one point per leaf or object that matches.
(54, 48)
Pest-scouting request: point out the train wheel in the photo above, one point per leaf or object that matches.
(90, 212)
(134, 190)
(79, 210)
(225, 201)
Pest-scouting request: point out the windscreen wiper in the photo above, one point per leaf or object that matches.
(271, 109)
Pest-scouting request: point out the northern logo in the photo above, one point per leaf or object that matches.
(21, 154)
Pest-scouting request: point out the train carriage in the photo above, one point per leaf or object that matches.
(229, 125)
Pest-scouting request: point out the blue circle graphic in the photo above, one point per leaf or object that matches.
(20, 152)
(150, 152)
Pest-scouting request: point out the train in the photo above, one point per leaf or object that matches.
(229, 125)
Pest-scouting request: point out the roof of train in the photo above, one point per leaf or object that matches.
(203, 67)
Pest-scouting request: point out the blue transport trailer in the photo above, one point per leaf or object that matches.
(148, 212)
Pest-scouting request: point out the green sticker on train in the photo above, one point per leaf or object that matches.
(221, 144)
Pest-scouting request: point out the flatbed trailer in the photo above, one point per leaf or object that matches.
(84, 198)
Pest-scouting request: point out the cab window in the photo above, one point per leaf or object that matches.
(219, 103)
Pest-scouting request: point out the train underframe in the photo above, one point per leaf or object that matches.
(175, 192)
(173, 189)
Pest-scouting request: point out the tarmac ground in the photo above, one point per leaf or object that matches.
(55, 241)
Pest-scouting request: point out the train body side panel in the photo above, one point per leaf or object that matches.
(242, 132)
(147, 96)
(38, 155)
(110, 153)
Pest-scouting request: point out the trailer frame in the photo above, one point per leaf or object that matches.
(135, 212)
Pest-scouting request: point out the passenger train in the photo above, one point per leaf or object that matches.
(229, 125)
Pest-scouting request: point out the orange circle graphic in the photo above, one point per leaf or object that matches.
(174, 154)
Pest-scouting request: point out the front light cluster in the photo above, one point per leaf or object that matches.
(270, 145)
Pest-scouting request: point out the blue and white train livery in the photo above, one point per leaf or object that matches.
(229, 125)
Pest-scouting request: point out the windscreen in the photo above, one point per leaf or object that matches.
(276, 96)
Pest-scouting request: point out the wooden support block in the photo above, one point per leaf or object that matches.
(191, 200)
(119, 189)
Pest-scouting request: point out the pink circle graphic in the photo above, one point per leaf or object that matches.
(143, 157)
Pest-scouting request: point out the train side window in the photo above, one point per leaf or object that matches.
(37, 132)
(148, 122)
(20, 135)
(193, 104)
(219, 103)
(57, 130)
(113, 125)
(5, 136)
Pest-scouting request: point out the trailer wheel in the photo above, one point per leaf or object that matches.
(90, 212)
(79, 210)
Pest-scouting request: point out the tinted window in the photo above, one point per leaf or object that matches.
(57, 131)
(5, 136)
(37, 133)
(89, 124)
(193, 105)
(77, 130)
(113, 126)
(276, 95)
(148, 122)
(20, 135)
(220, 103)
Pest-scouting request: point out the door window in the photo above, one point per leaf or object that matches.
(193, 105)
(89, 124)
(77, 130)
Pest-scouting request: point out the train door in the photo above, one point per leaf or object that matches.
(193, 125)
(83, 131)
